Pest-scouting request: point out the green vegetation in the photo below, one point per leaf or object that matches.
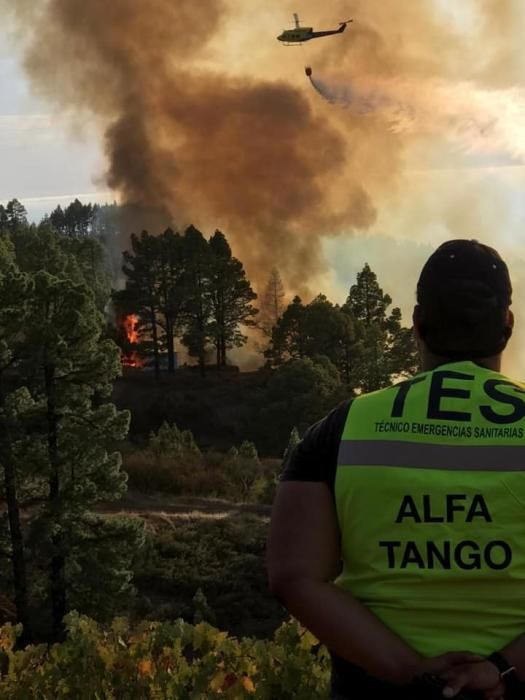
(56, 432)
(200, 449)
(368, 347)
(172, 661)
(172, 463)
(215, 554)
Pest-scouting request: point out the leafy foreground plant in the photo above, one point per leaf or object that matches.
(168, 661)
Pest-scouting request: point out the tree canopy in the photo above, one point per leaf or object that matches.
(185, 287)
(57, 426)
(365, 341)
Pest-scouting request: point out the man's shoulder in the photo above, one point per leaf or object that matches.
(314, 458)
(330, 427)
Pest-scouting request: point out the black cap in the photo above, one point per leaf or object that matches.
(464, 292)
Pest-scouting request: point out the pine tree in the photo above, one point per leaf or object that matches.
(16, 215)
(366, 300)
(57, 219)
(272, 303)
(170, 282)
(198, 303)
(4, 221)
(78, 218)
(13, 290)
(403, 356)
(60, 427)
(329, 331)
(317, 329)
(71, 371)
(384, 349)
(288, 336)
(90, 262)
(141, 294)
(231, 296)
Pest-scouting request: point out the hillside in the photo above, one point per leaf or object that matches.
(217, 408)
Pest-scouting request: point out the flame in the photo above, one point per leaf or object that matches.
(132, 359)
(130, 324)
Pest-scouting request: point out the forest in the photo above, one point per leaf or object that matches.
(140, 459)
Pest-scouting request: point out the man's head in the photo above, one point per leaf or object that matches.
(463, 298)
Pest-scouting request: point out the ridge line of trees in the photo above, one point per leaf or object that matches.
(187, 289)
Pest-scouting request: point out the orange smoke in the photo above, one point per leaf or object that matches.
(188, 143)
(202, 122)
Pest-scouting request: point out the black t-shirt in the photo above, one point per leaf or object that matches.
(315, 457)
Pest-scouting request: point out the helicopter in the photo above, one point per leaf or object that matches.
(299, 34)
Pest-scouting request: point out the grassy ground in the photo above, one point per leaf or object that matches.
(179, 507)
(210, 546)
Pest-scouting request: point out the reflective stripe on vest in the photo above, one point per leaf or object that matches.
(430, 495)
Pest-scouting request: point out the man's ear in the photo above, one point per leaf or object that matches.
(417, 321)
(509, 324)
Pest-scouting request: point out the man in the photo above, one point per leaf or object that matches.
(398, 533)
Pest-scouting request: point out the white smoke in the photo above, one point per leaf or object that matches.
(477, 120)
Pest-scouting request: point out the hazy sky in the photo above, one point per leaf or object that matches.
(478, 194)
(39, 158)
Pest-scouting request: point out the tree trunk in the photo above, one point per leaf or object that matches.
(223, 350)
(155, 338)
(202, 344)
(170, 344)
(15, 531)
(58, 560)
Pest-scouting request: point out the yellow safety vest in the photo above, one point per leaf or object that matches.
(430, 496)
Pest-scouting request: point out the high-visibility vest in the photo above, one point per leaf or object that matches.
(430, 496)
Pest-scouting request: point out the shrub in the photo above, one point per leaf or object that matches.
(176, 661)
(172, 463)
(224, 557)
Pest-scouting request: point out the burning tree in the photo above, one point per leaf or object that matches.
(130, 326)
(183, 287)
(140, 298)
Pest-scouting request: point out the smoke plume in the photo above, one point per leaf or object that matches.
(206, 119)
(186, 144)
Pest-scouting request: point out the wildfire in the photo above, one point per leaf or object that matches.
(130, 324)
(132, 359)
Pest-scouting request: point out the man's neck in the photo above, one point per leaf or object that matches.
(429, 361)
